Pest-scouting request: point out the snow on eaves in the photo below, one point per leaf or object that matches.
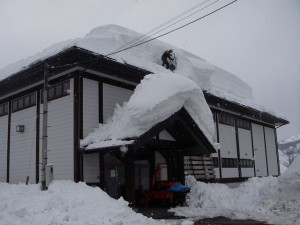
(154, 100)
(106, 39)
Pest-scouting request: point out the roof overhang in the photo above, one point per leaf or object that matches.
(189, 137)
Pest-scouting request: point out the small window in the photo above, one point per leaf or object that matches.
(66, 88)
(20, 103)
(32, 99)
(58, 91)
(226, 119)
(15, 105)
(229, 163)
(243, 124)
(51, 93)
(27, 101)
(1, 110)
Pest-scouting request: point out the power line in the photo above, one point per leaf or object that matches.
(146, 41)
(173, 29)
(162, 25)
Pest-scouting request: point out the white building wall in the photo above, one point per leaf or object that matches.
(271, 151)
(113, 95)
(60, 135)
(23, 146)
(3, 147)
(259, 150)
(91, 169)
(245, 147)
(90, 106)
(228, 148)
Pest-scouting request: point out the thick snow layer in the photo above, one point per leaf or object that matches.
(155, 99)
(65, 203)
(106, 39)
(270, 199)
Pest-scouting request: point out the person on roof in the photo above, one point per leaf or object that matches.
(166, 57)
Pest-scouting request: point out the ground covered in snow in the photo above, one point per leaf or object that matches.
(147, 108)
(273, 200)
(270, 199)
(65, 203)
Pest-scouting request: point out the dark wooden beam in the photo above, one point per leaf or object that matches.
(129, 177)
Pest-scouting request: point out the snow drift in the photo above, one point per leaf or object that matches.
(270, 199)
(106, 39)
(65, 203)
(155, 99)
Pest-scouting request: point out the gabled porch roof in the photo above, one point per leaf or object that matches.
(181, 126)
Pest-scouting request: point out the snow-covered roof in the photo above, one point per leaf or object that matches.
(105, 39)
(155, 99)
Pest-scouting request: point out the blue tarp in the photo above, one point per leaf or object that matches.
(179, 188)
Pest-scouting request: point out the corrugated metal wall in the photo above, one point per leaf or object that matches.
(259, 150)
(245, 148)
(23, 146)
(3, 147)
(60, 135)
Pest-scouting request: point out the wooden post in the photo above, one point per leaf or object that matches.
(129, 177)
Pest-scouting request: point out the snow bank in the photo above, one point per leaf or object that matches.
(65, 203)
(270, 199)
(107, 39)
(155, 99)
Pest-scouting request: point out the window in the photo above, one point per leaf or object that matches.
(246, 163)
(4, 109)
(24, 102)
(229, 162)
(58, 91)
(215, 162)
(226, 119)
(243, 124)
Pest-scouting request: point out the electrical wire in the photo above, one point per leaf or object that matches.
(160, 26)
(146, 41)
(202, 17)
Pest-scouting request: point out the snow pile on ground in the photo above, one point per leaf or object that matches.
(65, 203)
(155, 99)
(107, 39)
(270, 199)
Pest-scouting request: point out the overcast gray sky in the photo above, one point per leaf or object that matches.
(257, 40)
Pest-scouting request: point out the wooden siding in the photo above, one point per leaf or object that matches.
(90, 106)
(259, 150)
(113, 95)
(91, 168)
(245, 147)
(60, 136)
(23, 146)
(228, 148)
(3, 147)
(271, 151)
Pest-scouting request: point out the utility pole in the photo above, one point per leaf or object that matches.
(45, 127)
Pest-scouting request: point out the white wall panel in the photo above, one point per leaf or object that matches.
(228, 148)
(90, 106)
(3, 147)
(230, 173)
(227, 141)
(23, 146)
(245, 147)
(259, 150)
(111, 96)
(91, 169)
(60, 136)
(271, 151)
